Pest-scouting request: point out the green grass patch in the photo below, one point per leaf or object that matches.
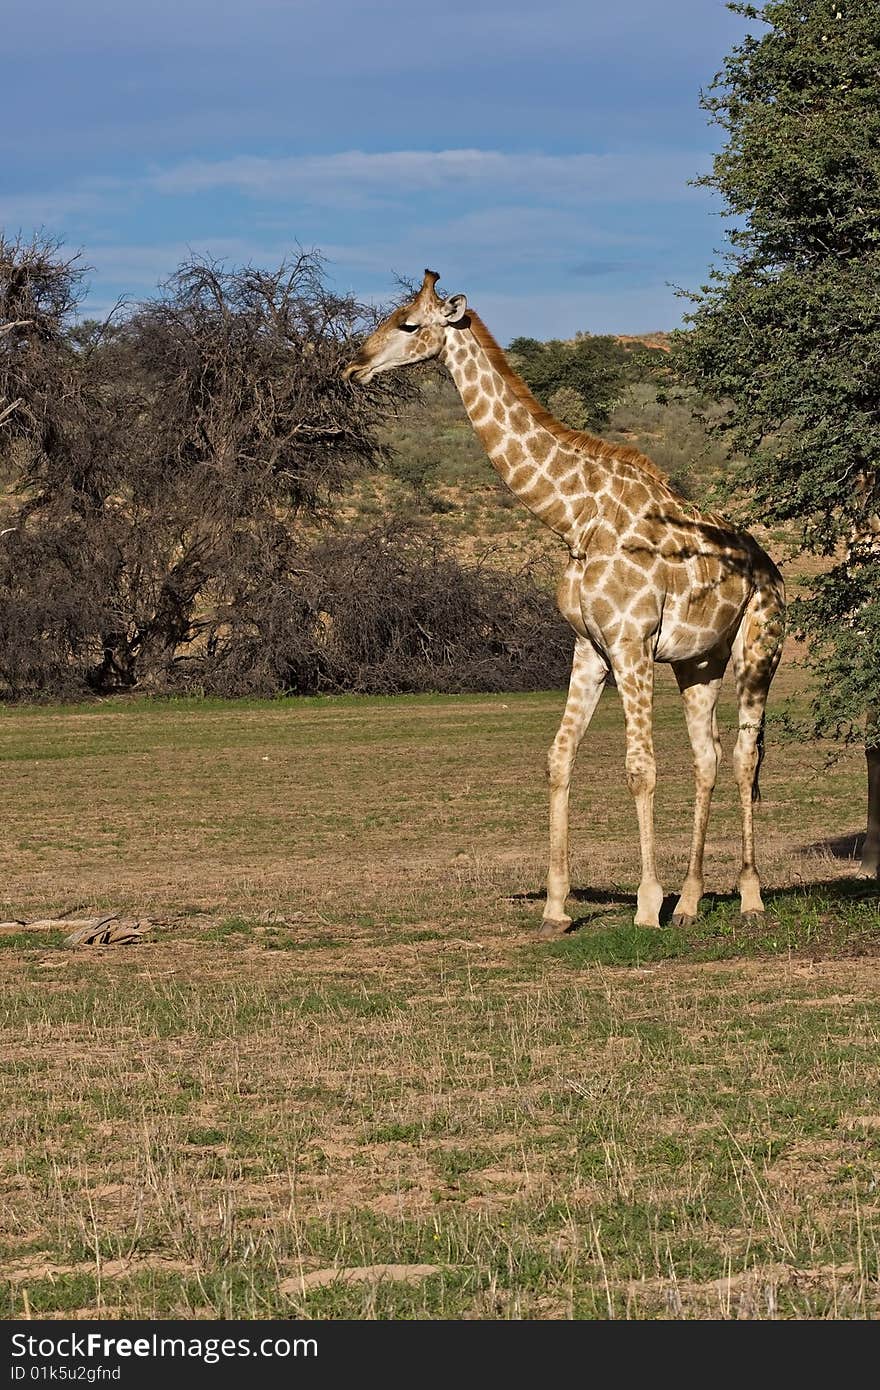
(32, 940)
(840, 918)
(352, 1051)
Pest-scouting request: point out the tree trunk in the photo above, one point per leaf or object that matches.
(870, 866)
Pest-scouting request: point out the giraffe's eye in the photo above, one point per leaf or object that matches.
(408, 327)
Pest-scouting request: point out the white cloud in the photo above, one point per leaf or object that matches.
(354, 176)
(537, 197)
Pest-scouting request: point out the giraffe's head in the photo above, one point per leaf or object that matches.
(413, 333)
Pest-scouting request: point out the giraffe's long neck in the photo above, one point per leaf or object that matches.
(536, 457)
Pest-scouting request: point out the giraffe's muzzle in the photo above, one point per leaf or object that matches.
(356, 371)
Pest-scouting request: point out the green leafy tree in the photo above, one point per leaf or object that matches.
(788, 329)
(592, 369)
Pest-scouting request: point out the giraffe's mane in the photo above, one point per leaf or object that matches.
(579, 439)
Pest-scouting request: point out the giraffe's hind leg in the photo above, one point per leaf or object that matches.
(699, 683)
(756, 652)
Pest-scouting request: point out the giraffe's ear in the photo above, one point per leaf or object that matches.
(453, 309)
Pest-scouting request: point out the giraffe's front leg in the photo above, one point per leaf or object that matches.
(634, 673)
(588, 676)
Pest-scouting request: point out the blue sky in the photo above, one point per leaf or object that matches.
(536, 153)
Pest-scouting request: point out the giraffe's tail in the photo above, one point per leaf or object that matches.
(756, 789)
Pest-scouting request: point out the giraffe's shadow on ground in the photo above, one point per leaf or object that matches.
(605, 900)
(839, 847)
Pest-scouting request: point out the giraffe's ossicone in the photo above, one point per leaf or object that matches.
(649, 578)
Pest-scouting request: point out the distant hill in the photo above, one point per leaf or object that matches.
(663, 341)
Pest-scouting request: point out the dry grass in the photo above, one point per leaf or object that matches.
(347, 1052)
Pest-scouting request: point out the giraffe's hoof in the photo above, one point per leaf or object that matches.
(557, 926)
(683, 919)
(757, 916)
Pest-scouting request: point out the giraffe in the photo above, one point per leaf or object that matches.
(649, 578)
